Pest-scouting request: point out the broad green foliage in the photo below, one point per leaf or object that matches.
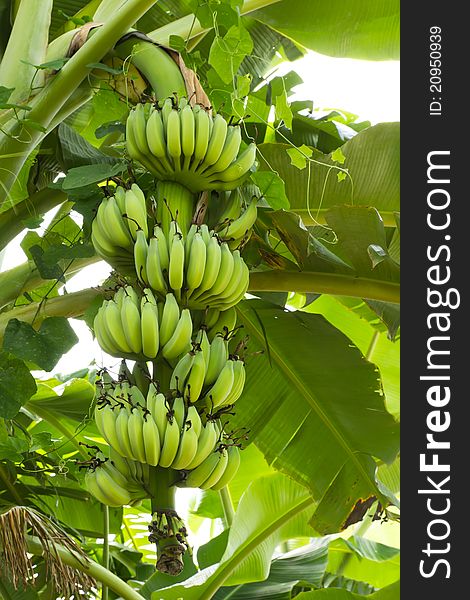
(321, 403)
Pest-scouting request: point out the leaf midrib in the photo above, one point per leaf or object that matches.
(311, 400)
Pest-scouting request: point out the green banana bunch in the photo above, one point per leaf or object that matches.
(198, 268)
(237, 231)
(216, 470)
(111, 486)
(140, 328)
(114, 229)
(187, 145)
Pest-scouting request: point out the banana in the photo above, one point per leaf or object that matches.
(188, 241)
(170, 444)
(187, 134)
(151, 438)
(195, 380)
(212, 266)
(163, 251)
(140, 127)
(176, 267)
(167, 108)
(217, 359)
(187, 449)
(155, 133)
(218, 471)
(225, 323)
(154, 271)
(239, 168)
(113, 325)
(136, 211)
(181, 372)
(101, 334)
(202, 138)
(120, 197)
(230, 301)
(107, 425)
(180, 341)
(159, 411)
(203, 342)
(237, 275)
(140, 256)
(149, 329)
(205, 233)
(239, 227)
(135, 424)
(202, 472)
(229, 151)
(208, 437)
(194, 419)
(136, 396)
(151, 397)
(170, 319)
(225, 273)
(179, 411)
(173, 138)
(211, 316)
(130, 318)
(92, 486)
(222, 387)
(239, 376)
(196, 263)
(231, 209)
(116, 225)
(122, 433)
(231, 469)
(112, 492)
(216, 143)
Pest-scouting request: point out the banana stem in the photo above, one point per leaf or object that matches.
(175, 202)
(227, 505)
(92, 568)
(161, 484)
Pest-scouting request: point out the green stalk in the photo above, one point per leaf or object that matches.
(93, 569)
(174, 201)
(324, 283)
(21, 138)
(227, 505)
(26, 277)
(69, 305)
(104, 589)
(188, 27)
(11, 221)
(161, 484)
(26, 47)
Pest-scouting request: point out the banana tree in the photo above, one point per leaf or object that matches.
(249, 319)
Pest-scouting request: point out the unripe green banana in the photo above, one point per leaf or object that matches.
(122, 432)
(187, 449)
(194, 419)
(224, 276)
(136, 211)
(239, 376)
(237, 275)
(155, 133)
(180, 341)
(151, 438)
(140, 126)
(238, 293)
(159, 412)
(187, 134)
(106, 422)
(170, 319)
(203, 343)
(114, 494)
(112, 322)
(211, 317)
(153, 268)
(239, 227)
(225, 323)
(222, 387)
(218, 471)
(181, 372)
(167, 108)
(229, 151)
(179, 411)
(140, 256)
(196, 263)
(195, 380)
(231, 209)
(208, 437)
(101, 334)
(239, 168)
(176, 268)
(170, 444)
(163, 251)
(132, 146)
(202, 472)
(231, 469)
(202, 138)
(130, 318)
(116, 225)
(173, 139)
(217, 359)
(149, 330)
(135, 424)
(136, 396)
(216, 143)
(212, 266)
